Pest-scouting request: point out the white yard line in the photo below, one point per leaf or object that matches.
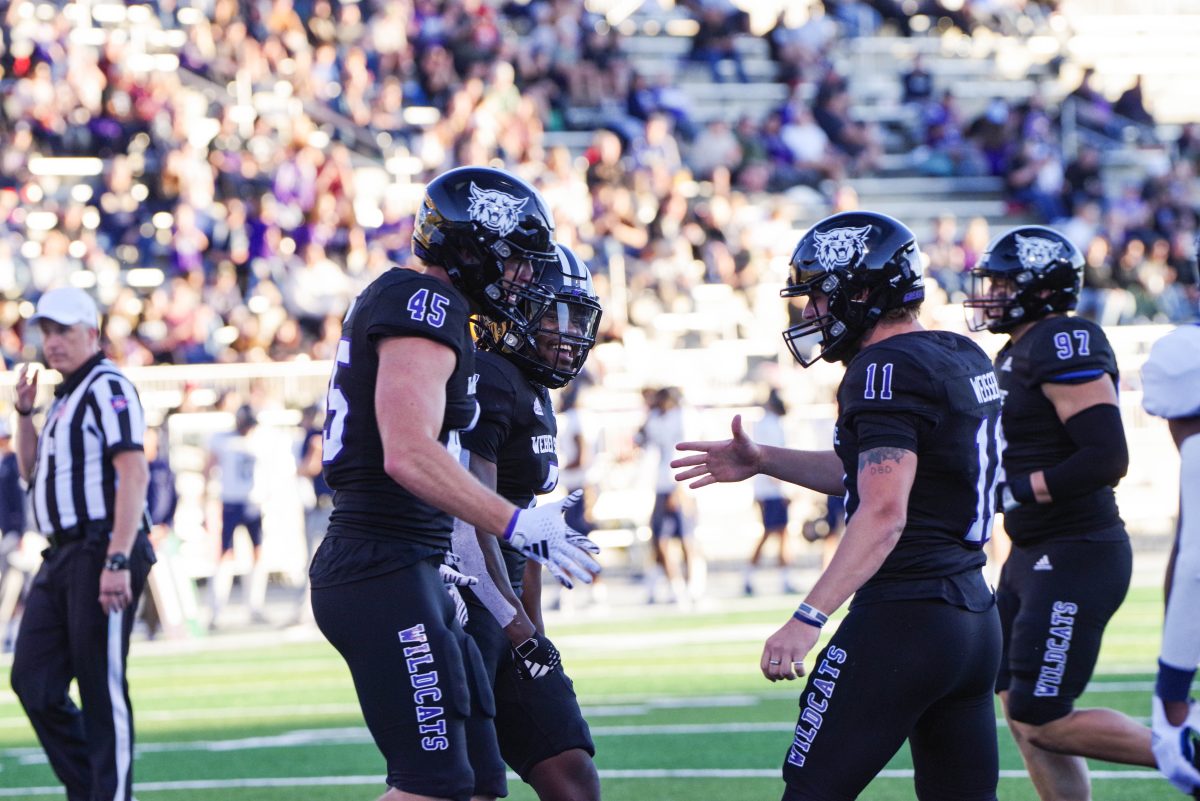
(324, 738)
(619, 706)
(647, 774)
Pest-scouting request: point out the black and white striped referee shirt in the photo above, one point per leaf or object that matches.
(96, 414)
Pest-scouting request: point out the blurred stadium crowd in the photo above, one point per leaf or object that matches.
(227, 175)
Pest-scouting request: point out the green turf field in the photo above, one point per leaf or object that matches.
(676, 704)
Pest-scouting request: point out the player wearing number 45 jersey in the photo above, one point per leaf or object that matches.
(916, 451)
(401, 392)
(1071, 561)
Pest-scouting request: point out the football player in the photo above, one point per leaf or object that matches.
(401, 391)
(541, 730)
(1071, 560)
(916, 451)
(1171, 389)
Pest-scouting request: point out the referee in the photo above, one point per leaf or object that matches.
(88, 477)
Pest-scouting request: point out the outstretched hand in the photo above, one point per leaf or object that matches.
(733, 459)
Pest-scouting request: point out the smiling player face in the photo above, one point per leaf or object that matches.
(552, 348)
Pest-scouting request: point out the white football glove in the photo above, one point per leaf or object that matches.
(542, 535)
(452, 579)
(1174, 747)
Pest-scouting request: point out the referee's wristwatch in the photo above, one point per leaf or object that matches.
(116, 561)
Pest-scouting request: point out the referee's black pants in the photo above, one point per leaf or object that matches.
(66, 635)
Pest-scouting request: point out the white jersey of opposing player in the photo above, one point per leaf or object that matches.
(237, 462)
(662, 430)
(769, 431)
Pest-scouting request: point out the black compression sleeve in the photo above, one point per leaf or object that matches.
(1102, 457)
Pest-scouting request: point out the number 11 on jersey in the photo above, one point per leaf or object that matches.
(885, 391)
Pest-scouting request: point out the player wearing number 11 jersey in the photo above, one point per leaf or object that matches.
(1071, 560)
(401, 391)
(917, 453)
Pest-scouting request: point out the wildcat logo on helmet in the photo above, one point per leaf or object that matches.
(494, 209)
(1033, 251)
(841, 246)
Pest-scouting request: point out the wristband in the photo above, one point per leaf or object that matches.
(26, 412)
(814, 617)
(512, 525)
(1021, 488)
(1173, 684)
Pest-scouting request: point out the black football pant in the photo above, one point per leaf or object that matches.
(65, 634)
(916, 670)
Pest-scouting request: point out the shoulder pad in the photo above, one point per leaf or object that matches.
(1067, 350)
(887, 378)
(412, 304)
(495, 390)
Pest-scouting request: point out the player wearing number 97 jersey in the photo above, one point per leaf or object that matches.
(401, 391)
(917, 452)
(1071, 561)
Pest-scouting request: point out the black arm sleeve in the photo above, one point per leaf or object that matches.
(1101, 460)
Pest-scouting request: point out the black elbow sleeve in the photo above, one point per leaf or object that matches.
(1101, 460)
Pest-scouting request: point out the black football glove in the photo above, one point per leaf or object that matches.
(536, 658)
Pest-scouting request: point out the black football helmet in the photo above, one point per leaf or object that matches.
(865, 264)
(1025, 274)
(471, 221)
(552, 350)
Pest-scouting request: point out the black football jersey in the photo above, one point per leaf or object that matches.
(367, 502)
(932, 393)
(1065, 350)
(516, 432)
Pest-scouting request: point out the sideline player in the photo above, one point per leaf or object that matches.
(1171, 389)
(235, 457)
(541, 730)
(916, 449)
(772, 503)
(400, 392)
(1071, 561)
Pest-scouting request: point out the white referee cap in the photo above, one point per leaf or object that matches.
(1171, 376)
(67, 305)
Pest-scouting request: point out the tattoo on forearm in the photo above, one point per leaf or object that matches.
(875, 461)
